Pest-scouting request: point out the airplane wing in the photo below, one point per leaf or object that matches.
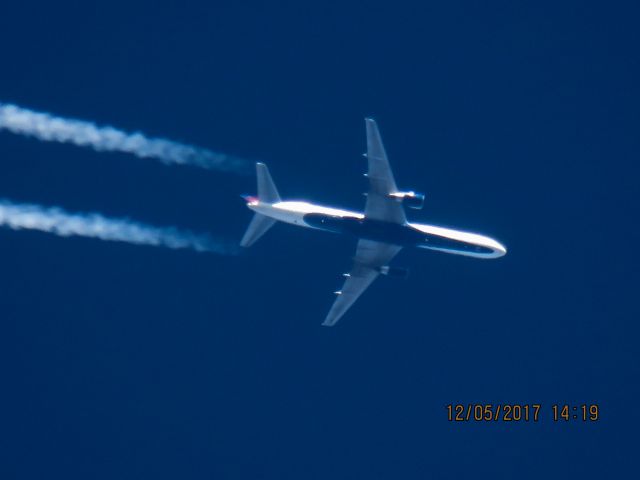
(380, 206)
(370, 256)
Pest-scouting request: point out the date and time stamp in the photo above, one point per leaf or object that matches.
(533, 412)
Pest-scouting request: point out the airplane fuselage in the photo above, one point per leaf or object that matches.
(418, 235)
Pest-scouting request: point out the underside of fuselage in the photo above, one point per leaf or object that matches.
(356, 224)
(403, 235)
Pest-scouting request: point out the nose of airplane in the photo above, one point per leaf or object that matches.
(501, 249)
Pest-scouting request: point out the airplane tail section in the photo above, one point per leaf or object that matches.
(267, 193)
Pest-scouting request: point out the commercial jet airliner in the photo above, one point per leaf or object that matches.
(382, 230)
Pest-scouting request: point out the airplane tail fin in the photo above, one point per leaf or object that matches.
(267, 193)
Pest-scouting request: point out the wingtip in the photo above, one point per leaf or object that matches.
(331, 319)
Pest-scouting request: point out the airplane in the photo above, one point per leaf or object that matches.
(382, 229)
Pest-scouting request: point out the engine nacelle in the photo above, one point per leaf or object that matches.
(395, 272)
(410, 199)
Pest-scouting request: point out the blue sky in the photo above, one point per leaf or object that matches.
(519, 121)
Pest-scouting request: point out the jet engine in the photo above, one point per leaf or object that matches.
(410, 199)
(395, 272)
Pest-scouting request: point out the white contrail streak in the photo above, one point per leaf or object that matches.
(49, 128)
(55, 220)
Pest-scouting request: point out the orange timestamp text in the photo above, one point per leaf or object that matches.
(514, 412)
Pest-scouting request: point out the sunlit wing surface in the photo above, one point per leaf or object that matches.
(370, 256)
(380, 206)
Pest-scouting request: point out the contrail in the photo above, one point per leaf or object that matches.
(55, 220)
(49, 128)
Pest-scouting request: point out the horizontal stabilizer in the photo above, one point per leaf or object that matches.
(258, 227)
